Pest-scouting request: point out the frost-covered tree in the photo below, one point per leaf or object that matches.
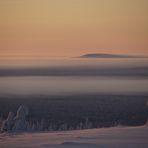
(87, 124)
(147, 113)
(43, 125)
(7, 124)
(20, 123)
(63, 127)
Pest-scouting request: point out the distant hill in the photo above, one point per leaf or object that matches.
(104, 55)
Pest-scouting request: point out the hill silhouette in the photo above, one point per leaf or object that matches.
(106, 55)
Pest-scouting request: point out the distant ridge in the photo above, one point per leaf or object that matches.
(105, 55)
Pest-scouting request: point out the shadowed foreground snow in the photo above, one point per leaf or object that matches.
(117, 137)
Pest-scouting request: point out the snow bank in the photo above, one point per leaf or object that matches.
(117, 137)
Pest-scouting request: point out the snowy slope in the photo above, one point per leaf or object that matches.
(117, 137)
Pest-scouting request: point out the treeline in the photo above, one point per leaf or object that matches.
(77, 112)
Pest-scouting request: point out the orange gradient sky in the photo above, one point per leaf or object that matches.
(73, 27)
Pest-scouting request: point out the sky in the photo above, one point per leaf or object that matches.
(73, 27)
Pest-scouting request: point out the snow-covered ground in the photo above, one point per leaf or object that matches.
(117, 137)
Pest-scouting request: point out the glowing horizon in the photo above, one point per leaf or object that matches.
(73, 27)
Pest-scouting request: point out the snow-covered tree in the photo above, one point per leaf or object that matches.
(20, 123)
(7, 124)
